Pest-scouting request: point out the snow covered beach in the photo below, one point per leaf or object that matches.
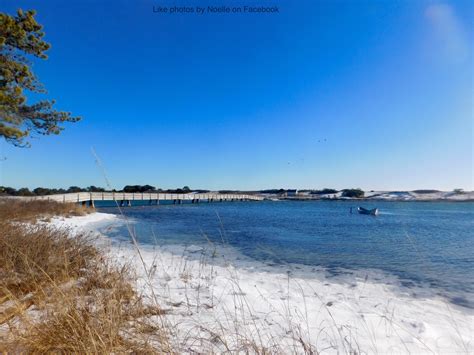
(217, 300)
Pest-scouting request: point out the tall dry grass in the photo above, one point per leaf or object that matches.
(60, 293)
(12, 209)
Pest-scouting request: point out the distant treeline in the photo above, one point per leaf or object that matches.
(41, 191)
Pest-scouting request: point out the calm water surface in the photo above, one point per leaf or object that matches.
(429, 244)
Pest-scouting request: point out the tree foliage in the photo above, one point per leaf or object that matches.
(324, 191)
(273, 191)
(21, 38)
(93, 188)
(42, 191)
(139, 188)
(426, 191)
(357, 193)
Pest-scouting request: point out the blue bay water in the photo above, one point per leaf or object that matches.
(426, 244)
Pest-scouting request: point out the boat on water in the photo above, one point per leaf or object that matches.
(373, 212)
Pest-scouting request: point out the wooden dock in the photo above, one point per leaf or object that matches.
(125, 198)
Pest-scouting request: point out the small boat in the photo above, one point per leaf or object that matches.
(373, 212)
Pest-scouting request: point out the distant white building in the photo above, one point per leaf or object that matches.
(291, 193)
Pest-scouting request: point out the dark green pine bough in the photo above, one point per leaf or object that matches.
(21, 37)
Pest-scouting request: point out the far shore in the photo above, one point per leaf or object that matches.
(395, 196)
(363, 199)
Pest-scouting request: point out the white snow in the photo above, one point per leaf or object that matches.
(414, 196)
(218, 299)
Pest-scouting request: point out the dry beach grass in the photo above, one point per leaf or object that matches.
(16, 210)
(62, 294)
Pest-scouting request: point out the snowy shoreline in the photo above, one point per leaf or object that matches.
(216, 299)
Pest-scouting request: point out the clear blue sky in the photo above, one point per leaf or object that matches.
(370, 94)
